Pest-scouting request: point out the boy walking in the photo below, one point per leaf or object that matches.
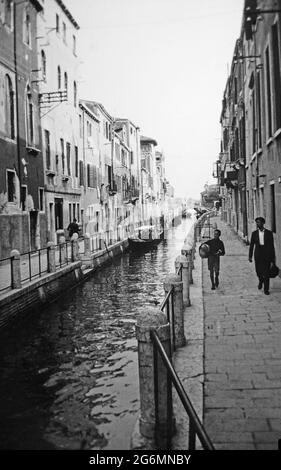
(216, 250)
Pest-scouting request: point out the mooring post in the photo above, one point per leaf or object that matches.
(155, 387)
(177, 323)
(87, 245)
(75, 247)
(15, 270)
(182, 261)
(51, 256)
(62, 248)
(187, 251)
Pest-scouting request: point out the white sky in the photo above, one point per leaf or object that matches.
(163, 64)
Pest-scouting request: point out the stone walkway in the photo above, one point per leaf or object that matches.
(242, 353)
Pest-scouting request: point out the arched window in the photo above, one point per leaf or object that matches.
(59, 78)
(9, 108)
(75, 93)
(65, 81)
(43, 64)
(29, 117)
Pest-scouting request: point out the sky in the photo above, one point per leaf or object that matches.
(163, 64)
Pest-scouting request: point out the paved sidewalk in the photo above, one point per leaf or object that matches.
(242, 353)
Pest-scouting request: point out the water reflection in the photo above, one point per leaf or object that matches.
(69, 374)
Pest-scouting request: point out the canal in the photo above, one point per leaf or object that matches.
(69, 373)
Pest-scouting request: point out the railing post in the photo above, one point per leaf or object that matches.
(181, 260)
(15, 269)
(153, 406)
(51, 255)
(87, 245)
(62, 248)
(177, 299)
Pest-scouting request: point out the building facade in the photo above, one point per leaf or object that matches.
(22, 206)
(249, 165)
(59, 112)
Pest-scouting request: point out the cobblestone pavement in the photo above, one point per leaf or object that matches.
(242, 353)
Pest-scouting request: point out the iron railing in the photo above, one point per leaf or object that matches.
(196, 428)
(36, 264)
(64, 254)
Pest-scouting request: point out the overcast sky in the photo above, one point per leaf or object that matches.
(163, 64)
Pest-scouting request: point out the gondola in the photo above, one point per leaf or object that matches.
(147, 238)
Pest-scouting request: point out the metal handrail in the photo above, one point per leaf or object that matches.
(169, 299)
(195, 425)
(179, 271)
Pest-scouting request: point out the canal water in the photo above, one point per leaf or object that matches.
(69, 373)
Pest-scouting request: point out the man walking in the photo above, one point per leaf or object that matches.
(216, 250)
(73, 228)
(264, 254)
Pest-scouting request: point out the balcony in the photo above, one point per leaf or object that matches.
(112, 189)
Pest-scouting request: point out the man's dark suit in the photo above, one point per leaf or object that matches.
(264, 255)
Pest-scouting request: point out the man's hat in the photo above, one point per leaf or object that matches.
(261, 219)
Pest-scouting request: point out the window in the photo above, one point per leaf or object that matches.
(75, 94)
(268, 93)
(253, 123)
(8, 13)
(259, 118)
(11, 186)
(62, 155)
(59, 78)
(57, 163)
(272, 208)
(9, 108)
(29, 117)
(26, 27)
(65, 81)
(41, 200)
(88, 176)
(43, 64)
(69, 213)
(68, 149)
(80, 126)
(89, 129)
(76, 161)
(276, 76)
(64, 32)
(47, 149)
(57, 23)
(81, 173)
(23, 197)
(74, 44)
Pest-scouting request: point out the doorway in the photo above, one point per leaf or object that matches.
(58, 213)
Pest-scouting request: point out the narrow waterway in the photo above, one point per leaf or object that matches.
(69, 373)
